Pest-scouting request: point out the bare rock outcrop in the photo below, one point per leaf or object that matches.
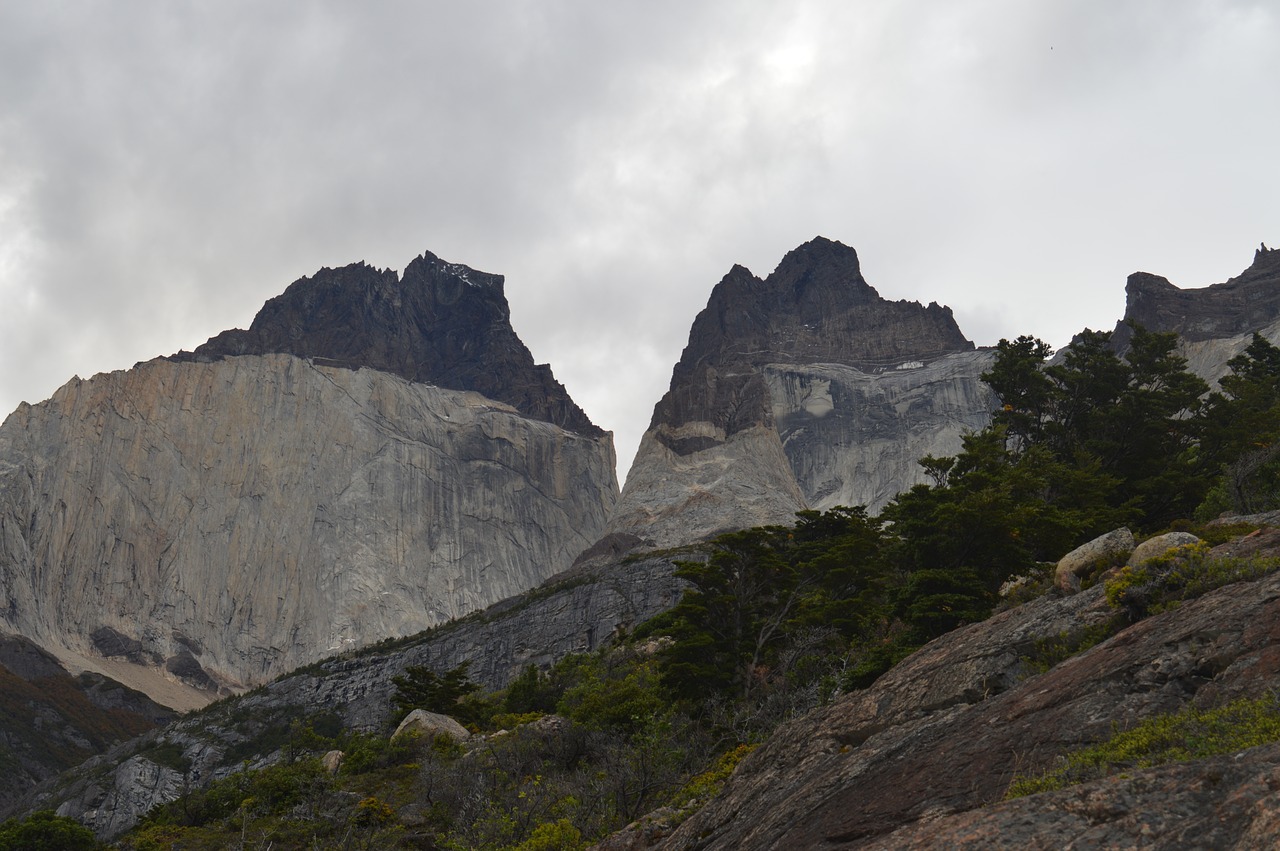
(805, 389)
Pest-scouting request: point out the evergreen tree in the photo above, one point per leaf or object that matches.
(1133, 419)
(419, 687)
(1241, 432)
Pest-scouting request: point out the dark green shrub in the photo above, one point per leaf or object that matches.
(44, 831)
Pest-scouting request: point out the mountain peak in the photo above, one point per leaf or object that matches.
(1249, 301)
(439, 323)
(814, 308)
(818, 252)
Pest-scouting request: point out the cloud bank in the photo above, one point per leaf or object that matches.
(166, 168)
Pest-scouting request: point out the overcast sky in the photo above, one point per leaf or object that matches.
(166, 167)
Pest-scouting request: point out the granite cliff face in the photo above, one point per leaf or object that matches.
(1214, 323)
(805, 389)
(213, 520)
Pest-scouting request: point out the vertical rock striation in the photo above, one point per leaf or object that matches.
(217, 518)
(805, 389)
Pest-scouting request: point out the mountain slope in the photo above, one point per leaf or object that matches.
(575, 614)
(912, 761)
(51, 721)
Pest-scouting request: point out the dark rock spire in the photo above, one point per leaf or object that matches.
(440, 323)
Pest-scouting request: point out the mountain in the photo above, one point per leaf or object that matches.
(332, 476)
(375, 455)
(51, 721)
(802, 390)
(1213, 323)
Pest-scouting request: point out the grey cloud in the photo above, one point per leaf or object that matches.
(165, 169)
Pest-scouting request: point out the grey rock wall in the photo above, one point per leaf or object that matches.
(854, 438)
(221, 523)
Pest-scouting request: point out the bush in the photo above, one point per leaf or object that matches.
(44, 831)
(1183, 573)
(559, 835)
(705, 786)
(624, 703)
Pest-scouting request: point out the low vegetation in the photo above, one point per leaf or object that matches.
(45, 831)
(1183, 573)
(1190, 734)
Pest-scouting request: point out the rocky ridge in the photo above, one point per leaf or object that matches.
(1213, 323)
(209, 521)
(802, 390)
(578, 613)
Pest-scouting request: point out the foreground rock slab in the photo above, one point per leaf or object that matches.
(1228, 802)
(946, 731)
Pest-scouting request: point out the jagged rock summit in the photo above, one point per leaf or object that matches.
(1249, 301)
(372, 457)
(804, 389)
(441, 323)
(815, 308)
(1213, 323)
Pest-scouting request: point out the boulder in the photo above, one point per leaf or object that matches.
(1158, 546)
(1104, 551)
(332, 761)
(430, 725)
